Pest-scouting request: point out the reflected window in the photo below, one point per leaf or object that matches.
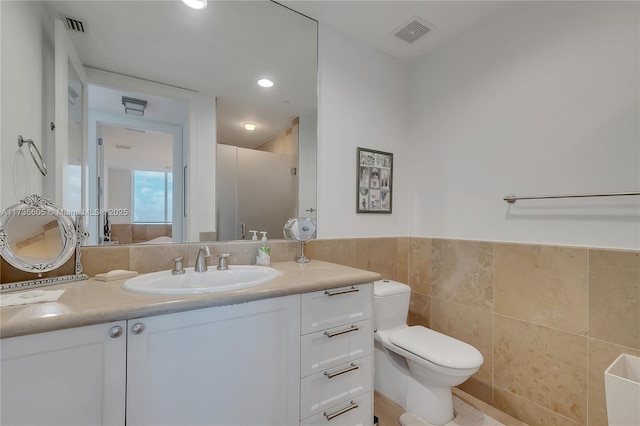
(152, 196)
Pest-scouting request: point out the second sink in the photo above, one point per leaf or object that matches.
(236, 277)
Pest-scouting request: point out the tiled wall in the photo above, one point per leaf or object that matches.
(128, 233)
(548, 320)
(156, 257)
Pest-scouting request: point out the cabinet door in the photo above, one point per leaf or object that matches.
(228, 365)
(64, 377)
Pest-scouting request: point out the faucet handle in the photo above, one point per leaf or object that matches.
(177, 266)
(222, 261)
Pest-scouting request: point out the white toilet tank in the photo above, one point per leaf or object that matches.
(390, 304)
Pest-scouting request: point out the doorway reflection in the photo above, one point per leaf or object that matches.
(257, 188)
(137, 189)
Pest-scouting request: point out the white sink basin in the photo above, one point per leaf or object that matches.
(191, 282)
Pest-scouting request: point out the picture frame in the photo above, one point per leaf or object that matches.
(374, 189)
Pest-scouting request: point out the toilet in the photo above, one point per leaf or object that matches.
(415, 366)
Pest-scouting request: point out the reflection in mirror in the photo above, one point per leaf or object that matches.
(198, 64)
(37, 236)
(73, 174)
(257, 175)
(34, 237)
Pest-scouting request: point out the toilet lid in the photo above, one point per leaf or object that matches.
(437, 348)
(383, 288)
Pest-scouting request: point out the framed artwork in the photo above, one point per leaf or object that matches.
(375, 177)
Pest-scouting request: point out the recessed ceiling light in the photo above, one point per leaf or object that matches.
(249, 126)
(265, 82)
(195, 4)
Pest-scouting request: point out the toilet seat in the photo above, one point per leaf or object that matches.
(437, 348)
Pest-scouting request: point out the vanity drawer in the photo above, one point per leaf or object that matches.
(335, 346)
(325, 389)
(331, 308)
(357, 411)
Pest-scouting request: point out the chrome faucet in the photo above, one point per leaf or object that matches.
(201, 260)
(177, 266)
(222, 262)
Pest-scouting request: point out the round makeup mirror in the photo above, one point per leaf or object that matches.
(37, 236)
(302, 230)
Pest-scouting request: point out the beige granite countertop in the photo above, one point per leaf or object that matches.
(93, 302)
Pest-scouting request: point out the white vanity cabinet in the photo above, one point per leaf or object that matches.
(336, 385)
(65, 377)
(228, 365)
(298, 359)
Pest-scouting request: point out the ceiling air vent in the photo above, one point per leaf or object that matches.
(413, 30)
(76, 25)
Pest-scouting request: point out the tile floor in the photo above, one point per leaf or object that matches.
(388, 413)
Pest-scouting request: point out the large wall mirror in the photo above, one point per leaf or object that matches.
(163, 151)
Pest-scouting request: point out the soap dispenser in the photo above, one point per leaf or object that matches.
(264, 252)
(255, 235)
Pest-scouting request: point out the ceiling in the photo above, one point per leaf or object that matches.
(215, 51)
(374, 22)
(220, 51)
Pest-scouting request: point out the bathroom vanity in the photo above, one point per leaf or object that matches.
(297, 350)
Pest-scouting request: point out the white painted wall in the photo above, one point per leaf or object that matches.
(542, 99)
(26, 72)
(362, 103)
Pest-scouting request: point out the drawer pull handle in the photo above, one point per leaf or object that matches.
(352, 405)
(335, 293)
(346, 370)
(337, 333)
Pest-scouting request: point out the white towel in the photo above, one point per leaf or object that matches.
(27, 297)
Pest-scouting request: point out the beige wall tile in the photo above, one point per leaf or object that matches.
(419, 310)
(9, 274)
(155, 231)
(121, 233)
(152, 258)
(420, 265)
(527, 411)
(378, 255)
(475, 327)
(97, 260)
(403, 260)
(545, 285)
(285, 251)
(245, 252)
(340, 251)
(601, 355)
(160, 257)
(462, 272)
(138, 233)
(242, 252)
(546, 366)
(614, 296)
